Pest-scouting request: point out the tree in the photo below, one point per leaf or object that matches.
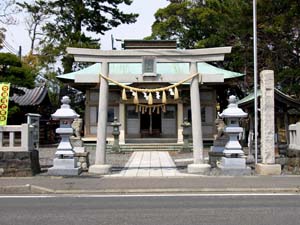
(70, 19)
(279, 42)
(18, 74)
(2, 36)
(229, 23)
(211, 23)
(13, 71)
(7, 11)
(35, 20)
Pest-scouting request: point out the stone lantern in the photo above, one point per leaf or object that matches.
(116, 133)
(234, 159)
(185, 133)
(64, 163)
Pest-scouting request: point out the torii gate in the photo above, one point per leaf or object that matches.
(160, 56)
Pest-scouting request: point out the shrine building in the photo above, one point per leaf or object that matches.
(150, 86)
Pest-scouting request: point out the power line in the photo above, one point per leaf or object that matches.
(9, 49)
(9, 46)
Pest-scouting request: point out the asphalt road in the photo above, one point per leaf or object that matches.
(156, 210)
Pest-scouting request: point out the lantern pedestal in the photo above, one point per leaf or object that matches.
(234, 167)
(64, 167)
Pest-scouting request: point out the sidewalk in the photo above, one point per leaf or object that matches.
(166, 179)
(111, 185)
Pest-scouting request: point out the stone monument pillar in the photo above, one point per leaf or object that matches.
(267, 115)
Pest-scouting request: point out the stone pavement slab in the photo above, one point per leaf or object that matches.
(150, 164)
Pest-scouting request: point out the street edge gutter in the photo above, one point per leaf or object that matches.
(33, 189)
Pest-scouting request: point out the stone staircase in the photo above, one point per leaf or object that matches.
(131, 147)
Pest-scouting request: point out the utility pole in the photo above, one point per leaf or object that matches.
(20, 52)
(255, 79)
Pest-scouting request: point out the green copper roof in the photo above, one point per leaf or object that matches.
(90, 70)
(206, 68)
(162, 68)
(278, 95)
(249, 98)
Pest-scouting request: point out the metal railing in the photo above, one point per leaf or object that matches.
(294, 133)
(16, 138)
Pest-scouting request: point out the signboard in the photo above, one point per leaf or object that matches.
(4, 99)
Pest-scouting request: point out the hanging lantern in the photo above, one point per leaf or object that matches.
(124, 97)
(150, 99)
(157, 111)
(143, 110)
(164, 98)
(136, 108)
(176, 94)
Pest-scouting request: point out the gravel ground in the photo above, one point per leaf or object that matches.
(117, 160)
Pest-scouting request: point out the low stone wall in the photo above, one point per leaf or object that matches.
(293, 161)
(19, 163)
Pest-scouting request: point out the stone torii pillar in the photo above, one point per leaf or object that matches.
(198, 166)
(267, 115)
(100, 167)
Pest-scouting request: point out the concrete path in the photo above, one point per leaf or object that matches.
(150, 164)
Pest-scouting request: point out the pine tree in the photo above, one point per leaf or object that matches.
(70, 22)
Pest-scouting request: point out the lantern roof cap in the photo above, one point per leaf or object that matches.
(232, 109)
(65, 111)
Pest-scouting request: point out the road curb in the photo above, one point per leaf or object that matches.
(33, 189)
(15, 189)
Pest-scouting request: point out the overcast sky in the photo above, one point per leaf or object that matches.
(17, 35)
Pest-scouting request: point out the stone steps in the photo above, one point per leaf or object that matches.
(144, 147)
(149, 147)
